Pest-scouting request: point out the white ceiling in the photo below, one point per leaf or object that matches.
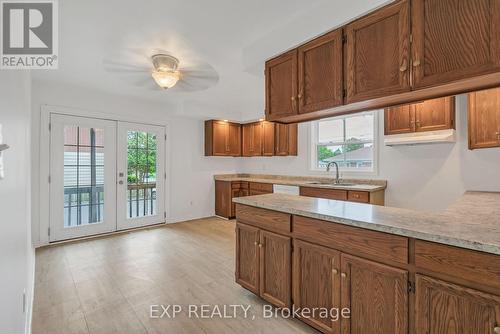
(234, 36)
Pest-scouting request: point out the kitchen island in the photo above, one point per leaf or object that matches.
(397, 270)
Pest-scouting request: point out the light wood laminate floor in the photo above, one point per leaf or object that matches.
(108, 285)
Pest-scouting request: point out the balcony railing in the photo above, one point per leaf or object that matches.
(85, 205)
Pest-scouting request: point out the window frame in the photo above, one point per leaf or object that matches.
(313, 144)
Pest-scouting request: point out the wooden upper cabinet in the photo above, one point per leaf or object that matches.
(275, 268)
(454, 39)
(222, 138)
(267, 138)
(484, 119)
(281, 86)
(443, 308)
(247, 257)
(234, 139)
(435, 114)
(429, 115)
(316, 282)
(377, 52)
(252, 139)
(286, 139)
(377, 296)
(321, 73)
(399, 120)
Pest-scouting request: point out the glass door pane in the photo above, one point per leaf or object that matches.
(83, 176)
(141, 174)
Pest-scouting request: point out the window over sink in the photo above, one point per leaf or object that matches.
(349, 140)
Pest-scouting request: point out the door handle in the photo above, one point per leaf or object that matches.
(120, 182)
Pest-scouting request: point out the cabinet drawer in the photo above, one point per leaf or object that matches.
(358, 196)
(266, 219)
(335, 194)
(470, 265)
(348, 239)
(264, 187)
(239, 185)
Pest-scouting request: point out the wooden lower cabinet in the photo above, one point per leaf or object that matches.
(377, 296)
(431, 289)
(247, 257)
(225, 191)
(316, 282)
(263, 263)
(443, 308)
(275, 268)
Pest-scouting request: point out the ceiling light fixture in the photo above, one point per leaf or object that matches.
(165, 71)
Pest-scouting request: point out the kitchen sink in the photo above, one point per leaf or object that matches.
(333, 184)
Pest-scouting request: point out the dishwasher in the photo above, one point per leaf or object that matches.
(283, 189)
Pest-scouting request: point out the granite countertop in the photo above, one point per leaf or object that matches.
(306, 181)
(473, 222)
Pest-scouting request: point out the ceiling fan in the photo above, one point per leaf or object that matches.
(162, 70)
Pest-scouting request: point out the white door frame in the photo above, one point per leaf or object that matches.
(122, 222)
(44, 160)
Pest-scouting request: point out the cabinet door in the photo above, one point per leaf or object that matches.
(223, 199)
(234, 140)
(286, 139)
(443, 308)
(377, 296)
(316, 282)
(435, 114)
(378, 53)
(267, 138)
(399, 120)
(281, 86)
(454, 39)
(275, 268)
(220, 138)
(320, 73)
(247, 259)
(484, 119)
(252, 139)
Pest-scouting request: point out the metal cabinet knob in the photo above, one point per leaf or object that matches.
(343, 275)
(335, 271)
(496, 330)
(260, 245)
(255, 243)
(416, 63)
(404, 67)
(293, 98)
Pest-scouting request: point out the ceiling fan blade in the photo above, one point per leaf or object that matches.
(120, 67)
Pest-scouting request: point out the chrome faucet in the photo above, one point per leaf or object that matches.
(337, 178)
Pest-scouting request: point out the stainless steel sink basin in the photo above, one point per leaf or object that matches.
(333, 184)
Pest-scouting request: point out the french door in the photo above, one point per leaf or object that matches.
(105, 176)
(141, 175)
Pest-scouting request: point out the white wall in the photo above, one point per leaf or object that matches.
(191, 185)
(16, 251)
(424, 177)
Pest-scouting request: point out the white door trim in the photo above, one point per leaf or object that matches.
(44, 190)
